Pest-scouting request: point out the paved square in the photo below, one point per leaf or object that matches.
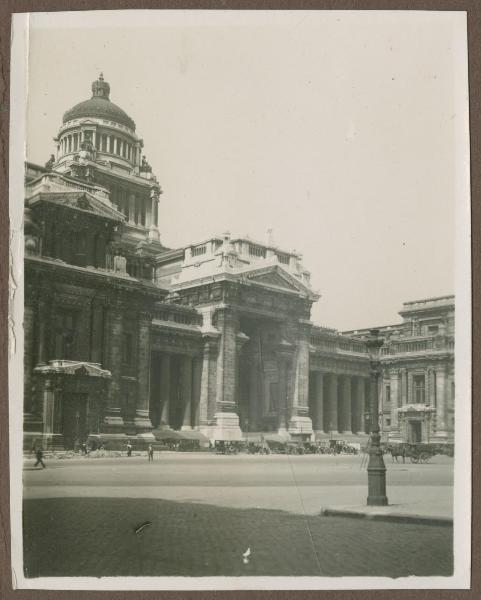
(203, 511)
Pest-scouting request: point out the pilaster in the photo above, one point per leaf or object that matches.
(142, 421)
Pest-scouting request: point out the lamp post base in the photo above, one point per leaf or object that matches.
(376, 480)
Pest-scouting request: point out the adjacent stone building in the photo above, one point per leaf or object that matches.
(125, 338)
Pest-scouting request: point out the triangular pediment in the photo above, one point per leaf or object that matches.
(82, 201)
(273, 279)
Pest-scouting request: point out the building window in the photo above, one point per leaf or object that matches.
(419, 389)
(433, 328)
(104, 143)
(111, 145)
(117, 146)
(70, 143)
(387, 396)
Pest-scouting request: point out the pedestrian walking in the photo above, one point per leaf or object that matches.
(39, 455)
(129, 448)
(151, 452)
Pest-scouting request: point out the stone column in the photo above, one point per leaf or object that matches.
(149, 212)
(346, 418)
(441, 400)
(332, 423)
(48, 412)
(404, 393)
(142, 421)
(131, 199)
(196, 383)
(432, 387)
(394, 382)
(96, 337)
(164, 390)
(207, 402)
(300, 422)
(361, 403)
(227, 360)
(226, 417)
(42, 316)
(253, 411)
(285, 389)
(319, 402)
(153, 220)
(410, 397)
(187, 392)
(113, 421)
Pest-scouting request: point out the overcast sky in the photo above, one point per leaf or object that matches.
(339, 131)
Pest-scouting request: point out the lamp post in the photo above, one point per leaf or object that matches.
(376, 469)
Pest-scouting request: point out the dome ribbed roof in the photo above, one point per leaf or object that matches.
(100, 106)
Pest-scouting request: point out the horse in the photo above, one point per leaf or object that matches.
(397, 451)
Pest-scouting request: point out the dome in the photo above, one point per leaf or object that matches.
(99, 106)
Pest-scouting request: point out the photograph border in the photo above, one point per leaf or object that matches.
(11, 245)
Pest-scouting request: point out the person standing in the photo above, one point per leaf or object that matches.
(129, 448)
(39, 455)
(151, 452)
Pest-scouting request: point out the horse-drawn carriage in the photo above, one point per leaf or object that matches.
(417, 453)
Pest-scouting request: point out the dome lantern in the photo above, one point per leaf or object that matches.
(99, 106)
(100, 88)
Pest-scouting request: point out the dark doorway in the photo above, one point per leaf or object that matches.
(415, 432)
(75, 427)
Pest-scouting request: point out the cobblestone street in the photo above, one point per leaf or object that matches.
(203, 512)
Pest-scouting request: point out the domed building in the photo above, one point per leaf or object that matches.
(126, 339)
(97, 140)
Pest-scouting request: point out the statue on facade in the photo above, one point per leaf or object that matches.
(49, 164)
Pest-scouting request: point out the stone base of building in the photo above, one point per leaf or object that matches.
(300, 427)
(442, 437)
(226, 427)
(112, 424)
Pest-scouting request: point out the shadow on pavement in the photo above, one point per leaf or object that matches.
(97, 537)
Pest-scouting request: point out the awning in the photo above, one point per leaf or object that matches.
(166, 434)
(193, 435)
(171, 434)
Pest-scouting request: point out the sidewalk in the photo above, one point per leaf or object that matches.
(428, 505)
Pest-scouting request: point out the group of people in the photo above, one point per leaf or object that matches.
(38, 451)
(150, 451)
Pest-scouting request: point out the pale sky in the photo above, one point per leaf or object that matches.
(341, 131)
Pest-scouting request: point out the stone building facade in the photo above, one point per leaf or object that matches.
(125, 338)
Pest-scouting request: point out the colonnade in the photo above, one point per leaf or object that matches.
(175, 390)
(339, 403)
(103, 142)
